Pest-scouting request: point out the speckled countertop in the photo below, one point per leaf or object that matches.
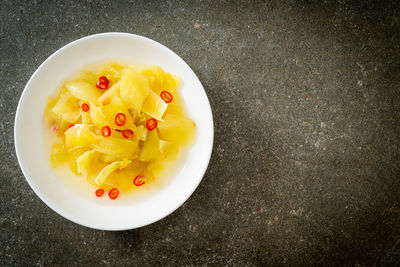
(306, 162)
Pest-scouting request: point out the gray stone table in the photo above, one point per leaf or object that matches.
(306, 162)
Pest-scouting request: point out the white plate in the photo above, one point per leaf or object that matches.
(33, 158)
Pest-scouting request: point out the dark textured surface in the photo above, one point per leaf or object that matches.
(306, 161)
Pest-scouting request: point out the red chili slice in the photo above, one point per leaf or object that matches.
(120, 119)
(151, 124)
(166, 96)
(71, 125)
(139, 180)
(102, 83)
(127, 133)
(104, 79)
(106, 131)
(113, 194)
(99, 192)
(85, 107)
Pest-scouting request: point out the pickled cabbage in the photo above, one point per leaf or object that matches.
(109, 152)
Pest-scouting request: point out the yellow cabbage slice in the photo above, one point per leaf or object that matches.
(154, 106)
(85, 117)
(175, 106)
(141, 133)
(177, 128)
(87, 77)
(150, 149)
(162, 81)
(113, 91)
(106, 158)
(134, 88)
(106, 171)
(83, 91)
(60, 155)
(85, 162)
(55, 123)
(116, 147)
(97, 116)
(73, 154)
(79, 136)
(67, 108)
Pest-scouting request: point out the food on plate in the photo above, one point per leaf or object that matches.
(119, 126)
